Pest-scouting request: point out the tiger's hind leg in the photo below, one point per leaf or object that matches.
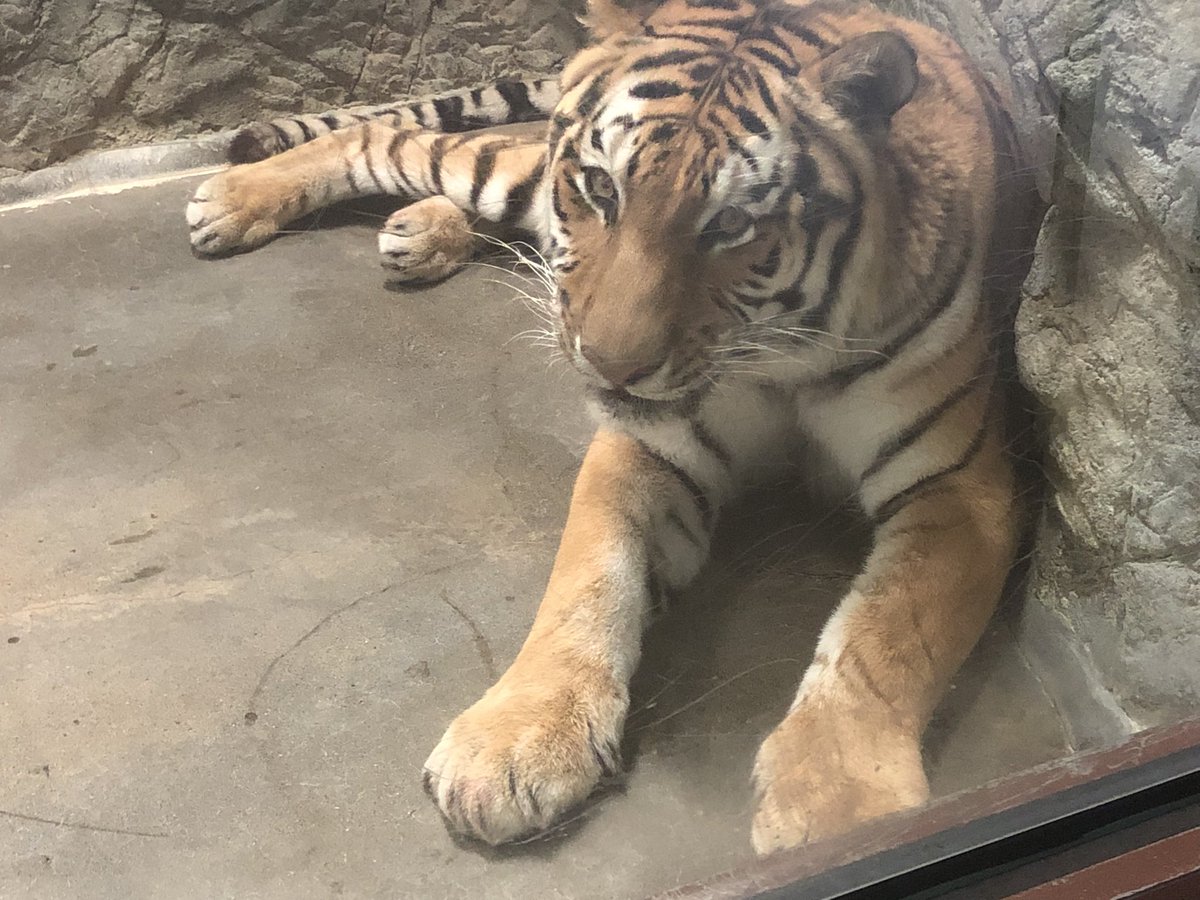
(489, 177)
(427, 241)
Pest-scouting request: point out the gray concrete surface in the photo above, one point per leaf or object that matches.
(268, 526)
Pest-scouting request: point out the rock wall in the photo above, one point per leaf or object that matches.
(83, 74)
(1109, 338)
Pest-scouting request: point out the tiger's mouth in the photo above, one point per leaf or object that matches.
(699, 379)
(620, 402)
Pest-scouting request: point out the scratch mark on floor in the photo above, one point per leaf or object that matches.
(146, 572)
(82, 826)
(132, 539)
(482, 647)
(325, 620)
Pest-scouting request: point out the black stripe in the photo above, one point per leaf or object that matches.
(330, 121)
(760, 189)
(591, 96)
(305, 130)
(284, 137)
(842, 249)
(558, 125)
(751, 122)
(781, 45)
(844, 377)
(518, 201)
(743, 152)
(366, 155)
(907, 436)
(635, 160)
(476, 97)
(485, 164)
(569, 151)
(671, 34)
(896, 502)
(804, 175)
(668, 58)
(774, 61)
(705, 439)
(769, 266)
(663, 132)
(764, 93)
(437, 152)
(349, 173)
(516, 95)
(449, 112)
(394, 145)
(731, 5)
(373, 174)
(818, 210)
(693, 488)
(560, 211)
(727, 23)
(418, 114)
(796, 30)
(659, 89)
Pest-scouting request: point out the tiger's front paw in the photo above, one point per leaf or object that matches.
(238, 209)
(525, 754)
(822, 772)
(426, 241)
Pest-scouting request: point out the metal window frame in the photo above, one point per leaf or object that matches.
(1132, 810)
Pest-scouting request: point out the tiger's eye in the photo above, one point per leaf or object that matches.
(599, 184)
(732, 221)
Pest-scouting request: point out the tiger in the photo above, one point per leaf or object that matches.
(774, 229)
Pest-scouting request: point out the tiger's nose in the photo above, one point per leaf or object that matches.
(619, 372)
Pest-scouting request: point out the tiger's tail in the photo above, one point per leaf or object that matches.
(502, 103)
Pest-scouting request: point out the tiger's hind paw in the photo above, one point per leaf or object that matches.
(823, 772)
(238, 209)
(427, 241)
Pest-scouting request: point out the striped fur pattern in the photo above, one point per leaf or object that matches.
(768, 225)
(503, 103)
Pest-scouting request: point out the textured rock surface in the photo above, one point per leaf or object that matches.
(79, 74)
(1109, 333)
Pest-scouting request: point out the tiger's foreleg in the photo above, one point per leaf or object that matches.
(541, 738)
(850, 748)
(458, 178)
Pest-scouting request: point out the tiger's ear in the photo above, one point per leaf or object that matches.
(605, 18)
(870, 77)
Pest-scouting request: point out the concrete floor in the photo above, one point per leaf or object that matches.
(267, 526)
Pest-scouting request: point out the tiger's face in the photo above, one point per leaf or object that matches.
(697, 189)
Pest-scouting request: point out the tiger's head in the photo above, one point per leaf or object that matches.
(709, 168)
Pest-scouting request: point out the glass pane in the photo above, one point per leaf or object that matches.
(879, 309)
